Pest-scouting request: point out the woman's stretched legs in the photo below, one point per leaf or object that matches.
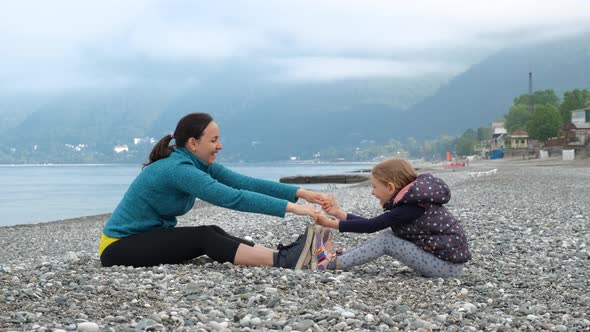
(246, 242)
(177, 244)
(386, 243)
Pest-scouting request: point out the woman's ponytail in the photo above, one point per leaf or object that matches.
(161, 150)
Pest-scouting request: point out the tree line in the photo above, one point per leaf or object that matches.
(543, 115)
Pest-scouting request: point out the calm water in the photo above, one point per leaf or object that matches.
(31, 194)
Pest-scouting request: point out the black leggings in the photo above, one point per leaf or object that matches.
(172, 246)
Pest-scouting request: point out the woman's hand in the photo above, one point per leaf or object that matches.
(322, 220)
(331, 207)
(300, 209)
(311, 196)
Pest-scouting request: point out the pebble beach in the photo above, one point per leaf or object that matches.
(528, 225)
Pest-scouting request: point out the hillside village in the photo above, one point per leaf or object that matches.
(575, 140)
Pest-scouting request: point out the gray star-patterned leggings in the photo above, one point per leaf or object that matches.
(386, 243)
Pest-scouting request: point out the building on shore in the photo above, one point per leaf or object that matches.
(580, 126)
(121, 148)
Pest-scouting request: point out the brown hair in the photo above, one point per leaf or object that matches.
(191, 125)
(397, 171)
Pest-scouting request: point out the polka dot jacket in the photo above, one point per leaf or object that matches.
(437, 231)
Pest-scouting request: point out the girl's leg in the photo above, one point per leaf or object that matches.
(386, 243)
(171, 246)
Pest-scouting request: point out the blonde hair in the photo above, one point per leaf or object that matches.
(397, 171)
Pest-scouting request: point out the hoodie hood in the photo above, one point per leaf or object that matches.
(426, 189)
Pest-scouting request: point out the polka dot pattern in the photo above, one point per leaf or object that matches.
(406, 252)
(437, 231)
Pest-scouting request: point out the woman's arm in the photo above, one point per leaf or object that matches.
(311, 196)
(239, 181)
(300, 209)
(193, 181)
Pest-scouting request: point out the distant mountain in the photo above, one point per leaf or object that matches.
(263, 119)
(260, 119)
(485, 92)
(263, 122)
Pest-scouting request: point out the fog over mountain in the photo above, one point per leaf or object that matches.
(281, 79)
(264, 119)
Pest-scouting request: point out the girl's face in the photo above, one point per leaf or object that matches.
(383, 192)
(206, 147)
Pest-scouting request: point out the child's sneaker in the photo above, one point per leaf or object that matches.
(296, 254)
(323, 249)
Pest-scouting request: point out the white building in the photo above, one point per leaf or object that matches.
(121, 148)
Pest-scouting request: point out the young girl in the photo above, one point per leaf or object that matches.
(416, 228)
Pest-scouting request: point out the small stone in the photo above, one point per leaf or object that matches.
(304, 324)
(348, 314)
(71, 257)
(270, 290)
(88, 327)
(469, 308)
(245, 321)
(215, 325)
(560, 328)
(255, 321)
(340, 326)
(144, 324)
(418, 323)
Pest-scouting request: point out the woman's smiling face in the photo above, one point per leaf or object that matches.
(206, 147)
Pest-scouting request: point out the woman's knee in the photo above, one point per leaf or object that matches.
(217, 229)
(206, 231)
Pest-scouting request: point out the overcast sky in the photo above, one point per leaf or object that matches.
(57, 44)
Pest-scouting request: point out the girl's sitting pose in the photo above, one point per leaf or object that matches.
(419, 230)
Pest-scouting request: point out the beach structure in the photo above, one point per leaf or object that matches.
(519, 139)
(580, 125)
(498, 142)
(483, 173)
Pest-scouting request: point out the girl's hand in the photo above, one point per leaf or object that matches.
(311, 196)
(322, 220)
(331, 207)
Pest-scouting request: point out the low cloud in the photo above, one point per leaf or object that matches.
(317, 40)
(327, 69)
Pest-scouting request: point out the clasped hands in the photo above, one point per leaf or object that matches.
(328, 204)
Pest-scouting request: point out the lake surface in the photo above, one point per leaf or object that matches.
(32, 194)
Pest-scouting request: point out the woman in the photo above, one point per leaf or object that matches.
(141, 231)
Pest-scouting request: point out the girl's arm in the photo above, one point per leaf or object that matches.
(322, 220)
(331, 207)
(402, 214)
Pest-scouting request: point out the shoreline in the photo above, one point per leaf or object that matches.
(102, 216)
(421, 168)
